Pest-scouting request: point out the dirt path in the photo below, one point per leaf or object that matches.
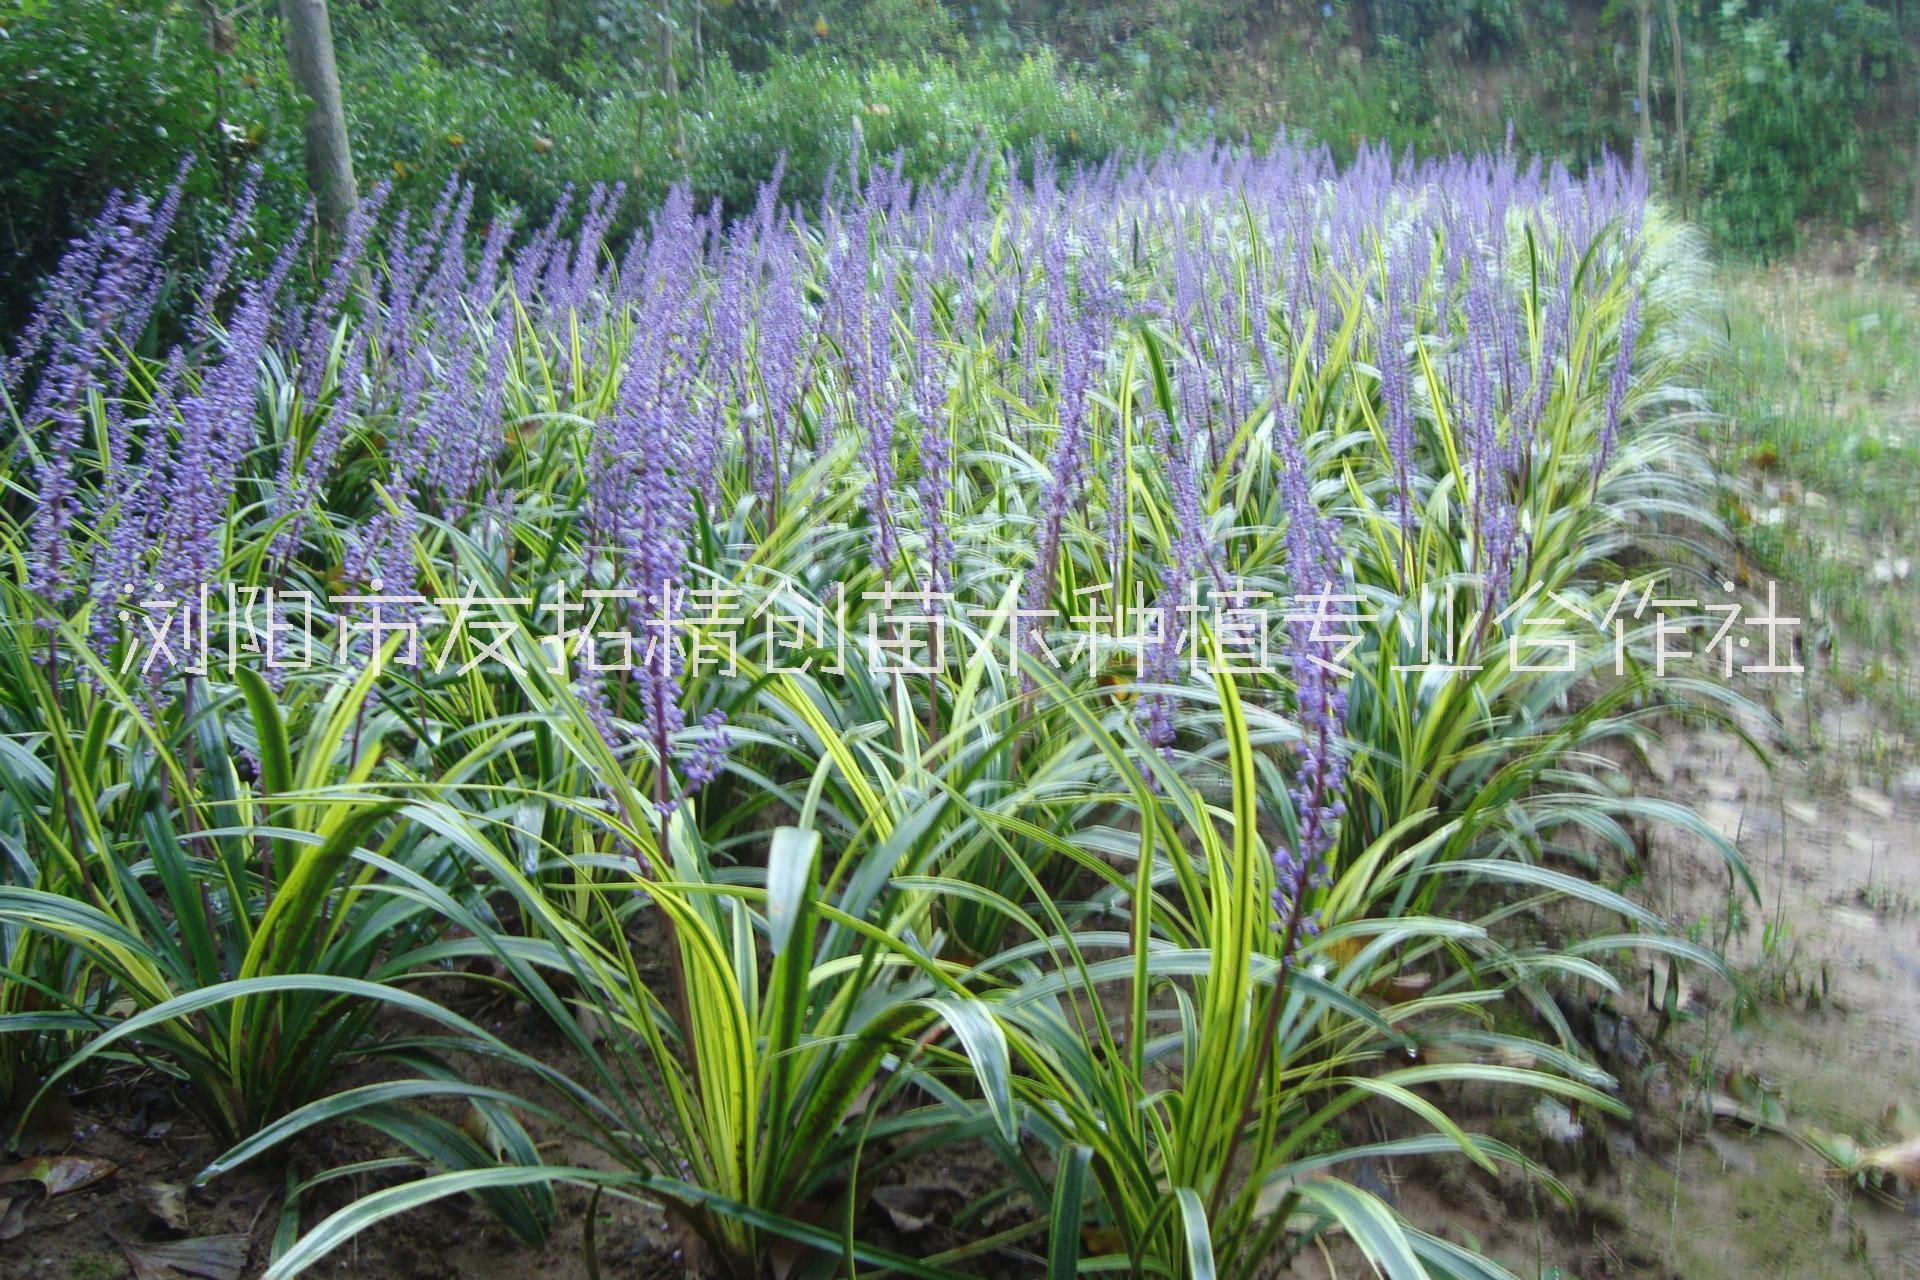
(1821, 1035)
(1721, 1174)
(1760, 1089)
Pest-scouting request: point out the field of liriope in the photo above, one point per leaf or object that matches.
(1097, 675)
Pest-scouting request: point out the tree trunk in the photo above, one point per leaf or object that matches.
(1913, 204)
(1644, 84)
(222, 40)
(1913, 88)
(670, 80)
(1679, 104)
(309, 40)
(1913, 79)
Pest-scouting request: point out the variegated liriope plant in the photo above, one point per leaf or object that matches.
(809, 894)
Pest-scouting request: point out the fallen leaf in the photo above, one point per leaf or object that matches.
(783, 1256)
(1751, 1102)
(1659, 763)
(1683, 989)
(1272, 1195)
(1726, 1107)
(1902, 1159)
(60, 1174)
(911, 1208)
(13, 1219)
(1556, 1122)
(1340, 950)
(1403, 985)
(476, 1126)
(597, 1027)
(166, 1201)
(1837, 1149)
(202, 1258)
(1871, 802)
(1801, 811)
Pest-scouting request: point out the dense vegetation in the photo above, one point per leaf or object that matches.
(1140, 911)
(1793, 109)
(1033, 588)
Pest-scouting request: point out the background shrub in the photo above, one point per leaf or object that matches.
(1782, 139)
(97, 96)
(1797, 109)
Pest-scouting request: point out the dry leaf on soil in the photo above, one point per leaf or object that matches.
(166, 1201)
(204, 1258)
(1902, 1159)
(60, 1174)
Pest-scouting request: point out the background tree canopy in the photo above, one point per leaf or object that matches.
(1796, 109)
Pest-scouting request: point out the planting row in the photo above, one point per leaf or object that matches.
(1138, 919)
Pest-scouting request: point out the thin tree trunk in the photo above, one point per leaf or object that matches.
(1644, 85)
(699, 50)
(1679, 104)
(670, 80)
(221, 39)
(1908, 63)
(1913, 83)
(1913, 203)
(309, 41)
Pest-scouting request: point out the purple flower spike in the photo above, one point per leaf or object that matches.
(1617, 387)
(709, 753)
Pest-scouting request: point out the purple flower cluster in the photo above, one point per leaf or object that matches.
(1400, 296)
(936, 452)
(1617, 383)
(1160, 660)
(785, 330)
(1078, 327)
(1320, 710)
(715, 358)
(649, 465)
(97, 305)
(863, 333)
(215, 432)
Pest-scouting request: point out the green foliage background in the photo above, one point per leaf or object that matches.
(1797, 109)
